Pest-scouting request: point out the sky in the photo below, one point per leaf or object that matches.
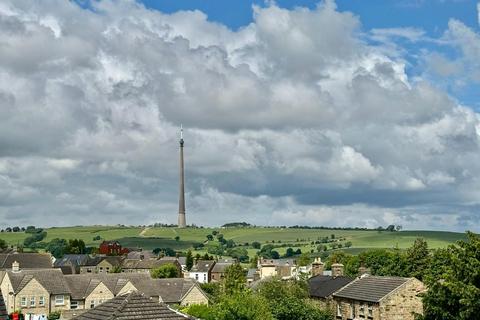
(296, 112)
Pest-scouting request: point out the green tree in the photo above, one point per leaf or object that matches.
(235, 279)
(168, 270)
(241, 254)
(453, 280)
(200, 311)
(418, 259)
(57, 247)
(55, 315)
(76, 246)
(242, 306)
(256, 245)
(189, 260)
(3, 244)
(304, 260)
(177, 238)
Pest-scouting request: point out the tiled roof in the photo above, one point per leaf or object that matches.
(72, 259)
(370, 288)
(169, 290)
(26, 260)
(145, 264)
(81, 285)
(51, 279)
(181, 260)
(3, 309)
(278, 262)
(324, 286)
(203, 265)
(221, 266)
(131, 306)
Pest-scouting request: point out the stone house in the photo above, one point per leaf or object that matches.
(181, 260)
(202, 271)
(283, 268)
(26, 260)
(131, 305)
(218, 270)
(35, 292)
(145, 266)
(101, 264)
(379, 298)
(321, 288)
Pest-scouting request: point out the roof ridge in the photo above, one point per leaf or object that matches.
(122, 306)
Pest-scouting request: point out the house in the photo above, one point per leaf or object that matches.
(218, 270)
(141, 255)
(90, 290)
(112, 248)
(71, 263)
(3, 308)
(34, 291)
(321, 288)
(102, 264)
(283, 268)
(379, 298)
(201, 271)
(26, 260)
(252, 275)
(181, 260)
(173, 291)
(145, 266)
(129, 306)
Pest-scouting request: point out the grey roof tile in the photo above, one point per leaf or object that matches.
(3, 309)
(26, 260)
(324, 286)
(370, 288)
(131, 306)
(51, 279)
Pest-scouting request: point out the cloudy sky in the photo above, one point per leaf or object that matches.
(296, 112)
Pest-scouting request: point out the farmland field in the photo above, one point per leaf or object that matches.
(150, 238)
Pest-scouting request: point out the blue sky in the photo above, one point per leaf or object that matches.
(431, 16)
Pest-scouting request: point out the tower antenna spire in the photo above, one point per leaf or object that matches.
(181, 199)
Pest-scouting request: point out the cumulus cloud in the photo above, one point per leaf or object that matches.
(293, 119)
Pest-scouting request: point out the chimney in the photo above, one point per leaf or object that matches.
(317, 267)
(337, 269)
(15, 267)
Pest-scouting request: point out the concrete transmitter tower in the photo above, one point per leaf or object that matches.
(182, 223)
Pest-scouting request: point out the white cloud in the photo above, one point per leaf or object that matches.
(294, 116)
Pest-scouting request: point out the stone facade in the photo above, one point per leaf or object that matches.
(194, 296)
(401, 304)
(99, 295)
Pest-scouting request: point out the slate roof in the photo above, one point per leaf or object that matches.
(3, 309)
(145, 264)
(26, 260)
(81, 285)
(51, 279)
(278, 262)
(181, 260)
(203, 265)
(220, 267)
(321, 286)
(169, 290)
(131, 306)
(370, 288)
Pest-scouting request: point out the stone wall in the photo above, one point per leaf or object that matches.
(35, 290)
(100, 294)
(403, 303)
(194, 296)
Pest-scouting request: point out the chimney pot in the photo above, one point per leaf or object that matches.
(15, 266)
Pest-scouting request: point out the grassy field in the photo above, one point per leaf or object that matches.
(296, 238)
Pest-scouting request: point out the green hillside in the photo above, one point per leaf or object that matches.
(150, 238)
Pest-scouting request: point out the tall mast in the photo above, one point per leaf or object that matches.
(181, 201)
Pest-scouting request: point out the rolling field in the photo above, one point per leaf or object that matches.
(151, 238)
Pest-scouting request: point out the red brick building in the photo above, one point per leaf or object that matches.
(112, 248)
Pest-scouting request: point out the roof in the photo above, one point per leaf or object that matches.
(81, 285)
(278, 262)
(221, 266)
(321, 286)
(251, 273)
(51, 279)
(170, 290)
(131, 306)
(203, 265)
(72, 259)
(145, 264)
(370, 288)
(3, 309)
(181, 260)
(26, 260)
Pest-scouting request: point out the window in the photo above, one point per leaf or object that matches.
(370, 311)
(204, 277)
(89, 270)
(352, 311)
(92, 304)
(73, 304)
(196, 276)
(361, 311)
(41, 301)
(59, 300)
(32, 301)
(23, 301)
(339, 310)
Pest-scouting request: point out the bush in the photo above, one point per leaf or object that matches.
(168, 270)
